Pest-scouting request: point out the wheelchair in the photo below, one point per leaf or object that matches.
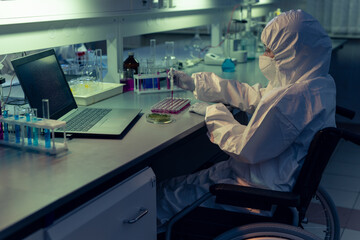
(307, 212)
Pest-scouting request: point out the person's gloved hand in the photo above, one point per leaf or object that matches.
(199, 108)
(182, 80)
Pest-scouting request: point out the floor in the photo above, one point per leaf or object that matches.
(341, 179)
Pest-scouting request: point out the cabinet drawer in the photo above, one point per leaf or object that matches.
(127, 211)
(38, 235)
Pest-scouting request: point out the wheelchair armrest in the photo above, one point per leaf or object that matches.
(345, 112)
(250, 197)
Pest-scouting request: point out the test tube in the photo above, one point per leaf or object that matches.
(2, 80)
(28, 114)
(46, 115)
(1, 125)
(158, 81)
(17, 111)
(35, 130)
(6, 129)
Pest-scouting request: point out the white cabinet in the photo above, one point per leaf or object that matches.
(126, 211)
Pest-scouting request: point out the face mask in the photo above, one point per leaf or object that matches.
(267, 67)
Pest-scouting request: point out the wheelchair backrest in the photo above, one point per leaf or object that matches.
(321, 148)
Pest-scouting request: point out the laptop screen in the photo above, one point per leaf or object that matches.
(41, 77)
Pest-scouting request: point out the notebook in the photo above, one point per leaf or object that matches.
(41, 77)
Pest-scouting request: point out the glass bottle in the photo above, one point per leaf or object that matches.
(131, 65)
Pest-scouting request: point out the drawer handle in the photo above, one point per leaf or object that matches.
(142, 213)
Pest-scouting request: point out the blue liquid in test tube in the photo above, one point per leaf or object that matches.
(6, 128)
(35, 130)
(46, 114)
(1, 125)
(28, 129)
(47, 138)
(17, 127)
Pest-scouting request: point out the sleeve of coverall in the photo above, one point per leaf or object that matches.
(266, 136)
(211, 88)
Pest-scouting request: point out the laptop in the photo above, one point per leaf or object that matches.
(41, 77)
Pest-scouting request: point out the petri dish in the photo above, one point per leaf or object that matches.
(159, 118)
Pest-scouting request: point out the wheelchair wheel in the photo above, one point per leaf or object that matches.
(267, 231)
(321, 217)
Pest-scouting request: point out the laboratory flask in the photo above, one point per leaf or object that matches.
(92, 69)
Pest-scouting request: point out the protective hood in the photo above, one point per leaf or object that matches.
(301, 46)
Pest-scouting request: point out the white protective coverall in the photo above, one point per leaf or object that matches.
(298, 101)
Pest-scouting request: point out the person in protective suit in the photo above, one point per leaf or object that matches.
(298, 101)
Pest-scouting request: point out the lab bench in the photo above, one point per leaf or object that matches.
(107, 183)
(97, 177)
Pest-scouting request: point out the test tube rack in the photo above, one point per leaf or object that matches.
(40, 123)
(171, 105)
(150, 83)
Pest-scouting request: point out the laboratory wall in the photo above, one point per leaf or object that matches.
(345, 69)
(20, 11)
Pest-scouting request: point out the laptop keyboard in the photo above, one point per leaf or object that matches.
(85, 120)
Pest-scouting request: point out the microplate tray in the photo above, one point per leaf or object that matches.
(171, 105)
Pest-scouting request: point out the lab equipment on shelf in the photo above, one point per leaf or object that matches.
(38, 143)
(171, 105)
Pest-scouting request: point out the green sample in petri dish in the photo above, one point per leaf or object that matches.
(159, 118)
